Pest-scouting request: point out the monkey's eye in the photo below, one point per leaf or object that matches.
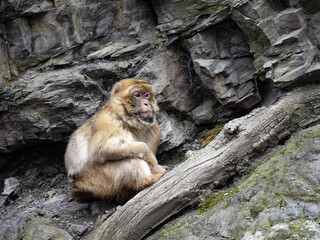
(147, 95)
(137, 94)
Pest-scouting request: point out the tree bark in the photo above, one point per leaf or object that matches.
(230, 153)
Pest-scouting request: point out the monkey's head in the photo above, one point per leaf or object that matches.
(138, 102)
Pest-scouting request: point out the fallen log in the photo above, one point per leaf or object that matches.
(232, 152)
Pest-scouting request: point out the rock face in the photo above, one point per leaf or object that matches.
(279, 200)
(205, 58)
(210, 61)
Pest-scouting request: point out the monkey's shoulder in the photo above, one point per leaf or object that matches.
(102, 123)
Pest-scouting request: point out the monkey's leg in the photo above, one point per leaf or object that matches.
(157, 172)
(119, 180)
(133, 175)
(92, 183)
(152, 162)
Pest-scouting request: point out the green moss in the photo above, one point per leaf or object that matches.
(271, 171)
(295, 226)
(210, 200)
(298, 228)
(237, 230)
(198, 8)
(168, 232)
(44, 229)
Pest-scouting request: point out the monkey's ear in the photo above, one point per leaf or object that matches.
(116, 89)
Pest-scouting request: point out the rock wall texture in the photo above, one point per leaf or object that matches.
(208, 59)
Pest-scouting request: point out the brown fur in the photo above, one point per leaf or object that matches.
(112, 156)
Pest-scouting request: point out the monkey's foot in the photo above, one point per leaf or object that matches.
(158, 170)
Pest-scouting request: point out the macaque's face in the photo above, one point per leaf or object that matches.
(145, 107)
(138, 98)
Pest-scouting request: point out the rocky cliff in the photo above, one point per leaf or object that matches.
(210, 61)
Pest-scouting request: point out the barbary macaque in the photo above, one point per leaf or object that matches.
(112, 155)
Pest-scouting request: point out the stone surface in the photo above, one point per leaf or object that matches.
(37, 98)
(11, 187)
(193, 52)
(187, 17)
(205, 113)
(78, 230)
(59, 205)
(3, 200)
(277, 35)
(40, 230)
(171, 80)
(174, 132)
(44, 209)
(224, 64)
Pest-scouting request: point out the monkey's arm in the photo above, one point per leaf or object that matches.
(124, 147)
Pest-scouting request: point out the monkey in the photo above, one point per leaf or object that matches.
(112, 155)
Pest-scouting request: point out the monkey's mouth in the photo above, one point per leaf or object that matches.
(147, 117)
(146, 114)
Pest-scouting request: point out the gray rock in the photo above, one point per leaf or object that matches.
(205, 112)
(224, 64)
(288, 21)
(98, 43)
(3, 201)
(15, 230)
(174, 133)
(13, 9)
(223, 40)
(59, 205)
(272, 39)
(225, 79)
(45, 94)
(43, 230)
(178, 17)
(11, 187)
(171, 80)
(106, 51)
(131, 50)
(78, 229)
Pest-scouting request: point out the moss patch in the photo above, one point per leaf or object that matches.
(210, 200)
(166, 233)
(271, 172)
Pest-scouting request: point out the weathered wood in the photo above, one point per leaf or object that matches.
(230, 153)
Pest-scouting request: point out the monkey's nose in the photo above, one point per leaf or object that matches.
(145, 102)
